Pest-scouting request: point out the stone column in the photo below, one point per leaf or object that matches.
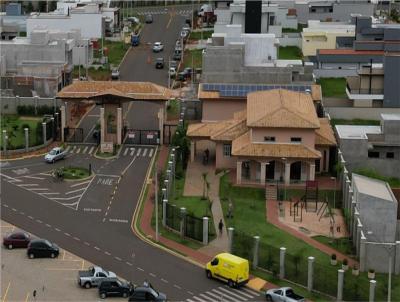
(397, 258)
(205, 230)
(63, 123)
(166, 183)
(262, 173)
(230, 239)
(53, 129)
(119, 126)
(164, 193)
(36, 101)
(182, 226)
(192, 150)
(282, 262)
(310, 277)
(312, 171)
(164, 211)
(239, 172)
(340, 285)
(287, 173)
(255, 251)
(363, 251)
(44, 133)
(102, 126)
(372, 285)
(26, 139)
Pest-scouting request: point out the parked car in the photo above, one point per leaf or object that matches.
(135, 40)
(158, 46)
(145, 293)
(283, 294)
(115, 74)
(173, 64)
(181, 76)
(113, 287)
(188, 71)
(184, 34)
(172, 72)
(160, 63)
(55, 154)
(16, 240)
(229, 268)
(177, 55)
(148, 19)
(42, 248)
(93, 276)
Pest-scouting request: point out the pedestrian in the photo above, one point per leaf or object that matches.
(146, 283)
(220, 226)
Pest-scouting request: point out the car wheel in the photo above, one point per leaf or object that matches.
(103, 295)
(31, 256)
(87, 285)
(209, 275)
(52, 255)
(269, 298)
(230, 283)
(10, 246)
(125, 295)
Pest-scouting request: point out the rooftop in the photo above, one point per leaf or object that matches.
(349, 52)
(356, 132)
(373, 187)
(390, 117)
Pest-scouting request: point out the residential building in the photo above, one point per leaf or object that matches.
(375, 229)
(278, 136)
(332, 10)
(42, 64)
(372, 147)
(326, 35)
(12, 21)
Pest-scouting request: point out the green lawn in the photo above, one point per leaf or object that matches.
(116, 51)
(75, 172)
(342, 245)
(195, 56)
(100, 74)
(333, 87)
(197, 35)
(290, 53)
(249, 217)
(15, 130)
(393, 181)
(173, 110)
(299, 29)
(359, 122)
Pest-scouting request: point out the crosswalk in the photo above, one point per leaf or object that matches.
(126, 151)
(138, 151)
(226, 294)
(164, 12)
(81, 149)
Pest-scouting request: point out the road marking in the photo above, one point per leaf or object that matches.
(126, 151)
(5, 294)
(223, 294)
(130, 164)
(87, 243)
(252, 292)
(189, 292)
(140, 269)
(177, 286)
(39, 189)
(214, 295)
(119, 259)
(78, 150)
(153, 275)
(10, 178)
(81, 183)
(68, 148)
(67, 234)
(77, 239)
(57, 229)
(34, 177)
(84, 150)
(47, 174)
(70, 192)
(151, 152)
(27, 185)
(30, 217)
(39, 221)
(169, 21)
(48, 225)
(65, 198)
(91, 210)
(27, 297)
(118, 220)
(49, 193)
(144, 152)
(14, 209)
(90, 131)
(73, 149)
(163, 280)
(22, 213)
(233, 294)
(96, 248)
(107, 253)
(5, 205)
(130, 264)
(198, 299)
(133, 151)
(91, 150)
(138, 152)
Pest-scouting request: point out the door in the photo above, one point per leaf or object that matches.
(270, 171)
(295, 170)
(20, 240)
(114, 290)
(98, 277)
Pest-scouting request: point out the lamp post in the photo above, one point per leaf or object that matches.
(334, 192)
(284, 182)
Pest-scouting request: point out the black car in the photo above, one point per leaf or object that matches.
(113, 287)
(177, 56)
(159, 63)
(182, 76)
(147, 294)
(40, 248)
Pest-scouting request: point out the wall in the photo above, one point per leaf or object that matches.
(290, 39)
(221, 161)
(218, 110)
(9, 104)
(359, 113)
(391, 86)
(377, 256)
(311, 41)
(284, 135)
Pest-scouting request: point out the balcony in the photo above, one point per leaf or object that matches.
(354, 90)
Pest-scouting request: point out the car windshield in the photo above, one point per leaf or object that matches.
(53, 152)
(47, 243)
(153, 291)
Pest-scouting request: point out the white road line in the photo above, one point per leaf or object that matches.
(153, 275)
(39, 221)
(87, 243)
(14, 209)
(67, 234)
(96, 248)
(49, 193)
(47, 174)
(126, 151)
(117, 258)
(133, 151)
(107, 253)
(177, 286)
(34, 177)
(5, 205)
(30, 217)
(38, 189)
(65, 198)
(214, 295)
(70, 192)
(81, 183)
(10, 178)
(77, 239)
(138, 152)
(223, 295)
(251, 292)
(57, 229)
(27, 185)
(207, 298)
(84, 150)
(190, 293)
(230, 292)
(163, 280)
(144, 152)
(73, 149)
(140, 269)
(130, 264)
(22, 213)
(68, 148)
(78, 150)
(188, 300)
(48, 225)
(198, 299)
(91, 150)
(151, 152)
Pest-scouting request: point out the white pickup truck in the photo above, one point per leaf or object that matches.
(283, 294)
(93, 276)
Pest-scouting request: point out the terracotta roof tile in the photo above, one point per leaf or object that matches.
(324, 135)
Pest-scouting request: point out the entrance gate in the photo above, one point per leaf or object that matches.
(73, 135)
(142, 137)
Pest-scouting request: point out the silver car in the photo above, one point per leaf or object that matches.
(54, 155)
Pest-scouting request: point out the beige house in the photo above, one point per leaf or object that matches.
(277, 137)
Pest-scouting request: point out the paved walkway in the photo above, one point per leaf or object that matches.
(273, 217)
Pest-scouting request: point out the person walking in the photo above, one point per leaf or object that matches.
(220, 226)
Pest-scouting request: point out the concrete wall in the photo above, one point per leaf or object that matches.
(377, 257)
(221, 110)
(392, 80)
(221, 161)
(9, 104)
(360, 113)
(290, 39)
(283, 135)
(312, 41)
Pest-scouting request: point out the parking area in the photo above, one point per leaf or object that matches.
(51, 279)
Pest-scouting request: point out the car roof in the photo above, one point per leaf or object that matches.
(57, 148)
(160, 59)
(18, 233)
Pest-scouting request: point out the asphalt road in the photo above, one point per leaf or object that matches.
(95, 226)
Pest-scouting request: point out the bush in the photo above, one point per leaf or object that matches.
(333, 257)
(345, 262)
(30, 110)
(23, 126)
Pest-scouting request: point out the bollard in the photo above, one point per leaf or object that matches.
(340, 285)
(164, 212)
(44, 132)
(53, 128)
(205, 230)
(372, 285)
(164, 193)
(182, 226)
(255, 251)
(167, 187)
(230, 238)
(310, 277)
(26, 139)
(282, 262)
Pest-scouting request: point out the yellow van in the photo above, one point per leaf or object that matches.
(229, 268)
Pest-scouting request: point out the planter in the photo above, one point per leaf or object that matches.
(345, 267)
(371, 275)
(355, 272)
(333, 261)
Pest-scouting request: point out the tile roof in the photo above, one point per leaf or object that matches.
(134, 90)
(242, 146)
(231, 132)
(316, 92)
(207, 129)
(324, 136)
(281, 108)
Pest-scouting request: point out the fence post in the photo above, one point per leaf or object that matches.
(310, 279)
(282, 262)
(53, 128)
(372, 285)
(167, 189)
(36, 98)
(44, 132)
(230, 238)
(5, 138)
(340, 285)
(182, 226)
(164, 212)
(255, 252)
(205, 230)
(26, 139)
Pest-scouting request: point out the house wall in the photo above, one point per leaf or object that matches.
(219, 110)
(283, 135)
(391, 86)
(221, 161)
(311, 41)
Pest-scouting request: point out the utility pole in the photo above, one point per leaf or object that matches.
(156, 200)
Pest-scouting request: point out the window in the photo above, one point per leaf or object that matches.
(269, 138)
(295, 139)
(227, 149)
(373, 154)
(389, 154)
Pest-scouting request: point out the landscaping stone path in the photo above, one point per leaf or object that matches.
(272, 214)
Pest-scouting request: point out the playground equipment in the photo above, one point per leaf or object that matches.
(295, 203)
(311, 196)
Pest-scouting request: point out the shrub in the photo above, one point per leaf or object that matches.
(371, 270)
(23, 126)
(345, 262)
(333, 256)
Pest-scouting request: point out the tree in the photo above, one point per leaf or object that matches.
(42, 6)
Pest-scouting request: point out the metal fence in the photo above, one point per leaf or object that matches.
(325, 279)
(73, 135)
(242, 245)
(173, 219)
(194, 227)
(296, 268)
(268, 257)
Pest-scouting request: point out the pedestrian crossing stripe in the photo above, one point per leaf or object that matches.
(84, 150)
(68, 148)
(91, 150)
(144, 152)
(151, 152)
(126, 151)
(225, 294)
(133, 151)
(138, 151)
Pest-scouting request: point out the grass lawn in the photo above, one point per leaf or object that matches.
(116, 51)
(333, 87)
(358, 122)
(173, 110)
(342, 245)
(290, 53)
(249, 216)
(197, 35)
(299, 29)
(101, 74)
(197, 58)
(393, 181)
(75, 172)
(15, 130)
